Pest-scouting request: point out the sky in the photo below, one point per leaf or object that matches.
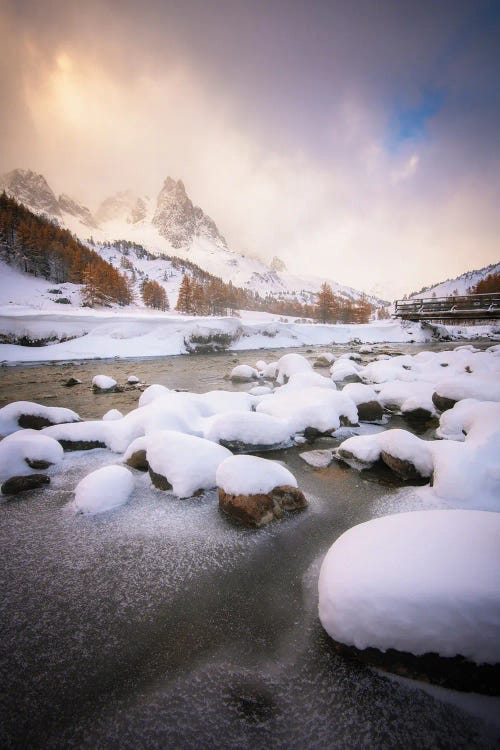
(357, 140)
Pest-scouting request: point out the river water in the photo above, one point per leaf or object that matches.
(162, 625)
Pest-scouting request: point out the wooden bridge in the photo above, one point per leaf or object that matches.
(470, 307)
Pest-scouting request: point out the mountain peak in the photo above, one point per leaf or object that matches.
(32, 190)
(179, 221)
(122, 206)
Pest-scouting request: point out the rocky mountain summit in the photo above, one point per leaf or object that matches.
(179, 221)
(32, 190)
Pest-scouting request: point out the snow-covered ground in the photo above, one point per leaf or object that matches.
(89, 334)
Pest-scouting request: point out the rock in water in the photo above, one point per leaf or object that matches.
(15, 485)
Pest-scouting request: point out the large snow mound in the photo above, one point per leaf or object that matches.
(189, 463)
(103, 490)
(250, 475)
(419, 582)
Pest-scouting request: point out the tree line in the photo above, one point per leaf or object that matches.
(40, 247)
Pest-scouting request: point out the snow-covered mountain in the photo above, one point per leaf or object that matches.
(460, 285)
(171, 225)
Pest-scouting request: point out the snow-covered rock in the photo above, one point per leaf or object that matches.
(254, 491)
(250, 431)
(26, 451)
(184, 463)
(366, 400)
(260, 390)
(404, 453)
(344, 369)
(151, 393)
(417, 582)
(243, 373)
(103, 383)
(103, 490)
(132, 379)
(290, 364)
(26, 414)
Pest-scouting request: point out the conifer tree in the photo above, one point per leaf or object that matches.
(184, 300)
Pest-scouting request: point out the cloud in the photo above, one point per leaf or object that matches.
(288, 153)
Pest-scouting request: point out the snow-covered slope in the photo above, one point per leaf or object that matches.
(461, 285)
(170, 225)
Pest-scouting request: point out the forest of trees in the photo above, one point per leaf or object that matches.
(39, 247)
(488, 285)
(154, 295)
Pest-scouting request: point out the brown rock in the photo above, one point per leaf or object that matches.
(81, 445)
(138, 460)
(159, 481)
(33, 422)
(455, 673)
(71, 382)
(38, 465)
(257, 510)
(370, 411)
(404, 469)
(15, 485)
(442, 403)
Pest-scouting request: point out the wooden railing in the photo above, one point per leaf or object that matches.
(467, 307)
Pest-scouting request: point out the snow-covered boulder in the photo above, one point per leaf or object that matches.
(484, 387)
(270, 371)
(407, 455)
(412, 399)
(423, 582)
(26, 451)
(136, 454)
(366, 400)
(183, 464)
(28, 415)
(132, 379)
(351, 355)
(248, 432)
(345, 370)
(103, 383)
(290, 364)
(243, 374)
(253, 491)
(365, 349)
(112, 415)
(324, 359)
(260, 365)
(321, 410)
(103, 490)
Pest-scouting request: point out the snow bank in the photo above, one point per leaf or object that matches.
(103, 490)
(250, 475)
(419, 582)
(20, 449)
(11, 413)
(189, 463)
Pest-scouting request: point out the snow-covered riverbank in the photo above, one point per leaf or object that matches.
(91, 334)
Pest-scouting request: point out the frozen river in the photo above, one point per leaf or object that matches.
(162, 625)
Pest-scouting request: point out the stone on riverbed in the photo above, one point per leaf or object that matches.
(317, 458)
(15, 485)
(254, 491)
(103, 384)
(29, 415)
